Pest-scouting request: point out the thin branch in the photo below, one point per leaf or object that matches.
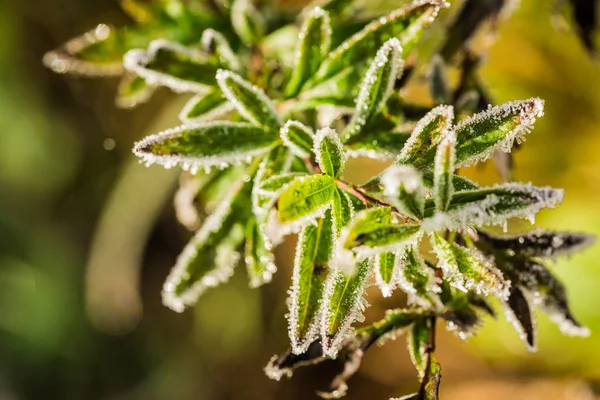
(430, 350)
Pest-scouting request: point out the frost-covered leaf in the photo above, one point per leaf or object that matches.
(211, 255)
(403, 188)
(418, 280)
(418, 343)
(386, 273)
(425, 137)
(250, 101)
(133, 90)
(339, 91)
(395, 322)
(213, 42)
(329, 152)
(260, 261)
(466, 269)
(333, 6)
(443, 171)
(382, 237)
(520, 314)
(495, 129)
(405, 24)
(205, 106)
(205, 145)
(315, 39)
(539, 243)
(461, 317)
(298, 137)
(180, 68)
(491, 206)
(278, 161)
(276, 183)
(305, 199)
(376, 87)
(460, 183)
(342, 209)
(377, 144)
(247, 21)
(342, 304)
(308, 282)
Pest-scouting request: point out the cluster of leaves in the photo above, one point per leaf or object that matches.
(267, 137)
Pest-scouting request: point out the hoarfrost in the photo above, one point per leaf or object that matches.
(340, 154)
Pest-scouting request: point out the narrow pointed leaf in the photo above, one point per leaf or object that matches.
(211, 255)
(403, 187)
(377, 144)
(213, 42)
(339, 91)
(247, 21)
(418, 280)
(275, 184)
(205, 106)
(276, 162)
(520, 314)
(133, 90)
(418, 342)
(315, 39)
(298, 138)
(250, 101)
(386, 272)
(492, 206)
(394, 322)
(376, 87)
(460, 183)
(342, 305)
(425, 137)
(310, 274)
(405, 24)
(540, 243)
(260, 261)
(329, 152)
(342, 209)
(305, 199)
(467, 270)
(204, 145)
(283, 365)
(333, 6)
(172, 65)
(438, 82)
(443, 171)
(384, 237)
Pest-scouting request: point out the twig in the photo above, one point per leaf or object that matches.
(368, 200)
(430, 350)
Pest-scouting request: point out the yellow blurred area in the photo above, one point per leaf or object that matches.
(87, 237)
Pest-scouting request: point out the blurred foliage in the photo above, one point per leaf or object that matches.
(57, 174)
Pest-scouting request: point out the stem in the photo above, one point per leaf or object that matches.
(430, 350)
(368, 200)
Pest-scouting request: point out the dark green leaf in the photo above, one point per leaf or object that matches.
(205, 145)
(342, 210)
(394, 321)
(315, 39)
(250, 101)
(520, 313)
(418, 343)
(438, 82)
(418, 280)
(299, 138)
(213, 42)
(305, 199)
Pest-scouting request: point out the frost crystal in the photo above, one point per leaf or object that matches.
(137, 60)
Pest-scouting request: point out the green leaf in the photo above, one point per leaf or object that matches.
(211, 255)
(538, 243)
(342, 304)
(395, 321)
(343, 210)
(460, 183)
(491, 206)
(247, 21)
(403, 188)
(260, 261)
(443, 171)
(520, 313)
(405, 24)
(205, 145)
(298, 138)
(377, 144)
(315, 39)
(467, 269)
(386, 272)
(276, 183)
(251, 102)
(308, 282)
(418, 280)
(418, 343)
(495, 129)
(425, 137)
(333, 6)
(329, 152)
(376, 87)
(432, 386)
(305, 199)
(339, 90)
(172, 65)
(277, 162)
(205, 106)
(438, 82)
(213, 42)
(133, 90)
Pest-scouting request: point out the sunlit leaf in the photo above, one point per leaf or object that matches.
(305, 199)
(205, 145)
(298, 137)
(315, 39)
(247, 21)
(260, 262)
(205, 106)
(250, 101)
(329, 152)
(376, 87)
(418, 343)
(213, 42)
(443, 171)
(395, 321)
(133, 90)
(381, 145)
(417, 279)
(384, 237)
(342, 304)
(342, 209)
(386, 273)
(308, 282)
(403, 188)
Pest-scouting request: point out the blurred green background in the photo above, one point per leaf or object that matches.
(87, 236)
